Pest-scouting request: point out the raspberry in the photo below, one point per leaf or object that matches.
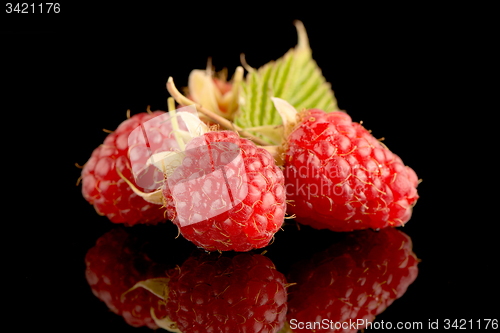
(238, 200)
(102, 185)
(341, 178)
(114, 265)
(357, 278)
(242, 294)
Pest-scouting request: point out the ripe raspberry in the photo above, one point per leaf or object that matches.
(357, 278)
(341, 178)
(242, 294)
(228, 195)
(114, 265)
(103, 187)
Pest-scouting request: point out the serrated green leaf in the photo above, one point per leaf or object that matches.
(295, 77)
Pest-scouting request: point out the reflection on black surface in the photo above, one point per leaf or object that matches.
(212, 293)
(356, 278)
(113, 266)
(352, 281)
(228, 292)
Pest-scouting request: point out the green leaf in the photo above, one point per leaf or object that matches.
(295, 78)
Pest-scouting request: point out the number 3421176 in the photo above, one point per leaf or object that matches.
(31, 8)
(470, 324)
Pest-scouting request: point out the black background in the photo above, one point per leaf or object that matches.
(68, 76)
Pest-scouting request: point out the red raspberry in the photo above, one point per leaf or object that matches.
(228, 195)
(242, 294)
(114, 265)
(103, 187)
(357, 278)
(341, 178)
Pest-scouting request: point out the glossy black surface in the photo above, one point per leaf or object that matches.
(80, 76)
